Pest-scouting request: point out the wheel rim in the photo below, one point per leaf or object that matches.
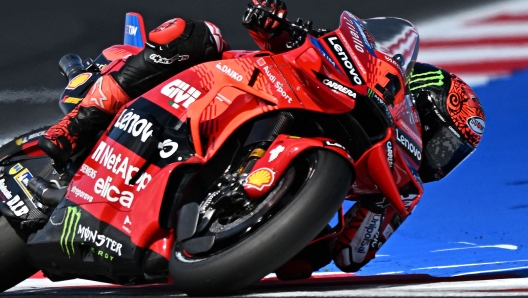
(228, 233)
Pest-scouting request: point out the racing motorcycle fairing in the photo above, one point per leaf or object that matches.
(383, 168)
(120, 206)
(17, 203)
(271, 166)
(135, 34)
(21, 159)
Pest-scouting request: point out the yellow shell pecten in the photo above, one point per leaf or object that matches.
(260, 178)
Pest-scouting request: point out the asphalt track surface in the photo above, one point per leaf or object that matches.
(35, 34)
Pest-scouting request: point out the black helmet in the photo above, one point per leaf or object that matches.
(452, 119)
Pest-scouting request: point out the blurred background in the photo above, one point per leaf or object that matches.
(471, 222)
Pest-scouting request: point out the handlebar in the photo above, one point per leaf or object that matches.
(298, 29)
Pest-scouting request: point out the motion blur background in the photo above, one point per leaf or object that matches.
(472, 221)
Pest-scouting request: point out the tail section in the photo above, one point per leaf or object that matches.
(134, 30)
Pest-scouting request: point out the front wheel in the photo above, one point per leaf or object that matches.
(304, 200)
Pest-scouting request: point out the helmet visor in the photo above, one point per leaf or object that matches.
(445, 150)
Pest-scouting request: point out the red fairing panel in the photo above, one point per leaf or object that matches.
(268, 169)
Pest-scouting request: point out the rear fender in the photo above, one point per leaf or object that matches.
(268, 169)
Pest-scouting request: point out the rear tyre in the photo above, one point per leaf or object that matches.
(14, 266)
(321, 180)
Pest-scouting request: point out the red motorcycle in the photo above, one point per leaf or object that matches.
(221, 174)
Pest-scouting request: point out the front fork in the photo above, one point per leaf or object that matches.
(262, 135)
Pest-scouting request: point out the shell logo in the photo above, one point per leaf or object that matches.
(260, 178)
(78, 80)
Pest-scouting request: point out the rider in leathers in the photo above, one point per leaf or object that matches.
(178, 44)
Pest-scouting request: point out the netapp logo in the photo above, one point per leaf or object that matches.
(339, 51)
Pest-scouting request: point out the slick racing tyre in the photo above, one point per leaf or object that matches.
(300, 205)
(14, 267)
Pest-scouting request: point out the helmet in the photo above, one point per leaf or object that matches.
(451, 116)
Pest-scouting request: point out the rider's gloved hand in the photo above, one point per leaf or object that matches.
(259, 16)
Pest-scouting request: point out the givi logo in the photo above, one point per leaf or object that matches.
(181, 93)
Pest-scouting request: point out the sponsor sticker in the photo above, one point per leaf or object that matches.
(105, 189)
(390, 154)
(134, 124)
(131, 30)
(79, 80)
(181, 93)
(323, 52)
(274, 153)
(71, 100)
(228, 71)
(69, 230)
(365, 234)
(127, 224)
(5, 191)
(100, 243)
(81, 194)
(382, 105)
(334, 144)
(168, 148)
(15, 204)
(339, 51)
(22, 178)
(29, 138)
(336, 86)
(477, 124)
(426, 79)
(409, 146)
(278, 85)
(162, 60)
(260, 178)
(88, 171)
(359, 28)
(93, 236)
(15, 169)
(105, 156)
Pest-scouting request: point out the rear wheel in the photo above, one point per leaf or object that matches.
(15, 268)
(250, 242)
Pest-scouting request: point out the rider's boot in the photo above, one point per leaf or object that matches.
(73, 132)
(83, 123)
(359, 242)
(310, 259)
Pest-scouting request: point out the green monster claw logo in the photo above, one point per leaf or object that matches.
(69, 230)
(422, 80)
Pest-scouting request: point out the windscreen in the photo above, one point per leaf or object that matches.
(395, 36)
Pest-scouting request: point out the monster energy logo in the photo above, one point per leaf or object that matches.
(69, 229)
(426, 79)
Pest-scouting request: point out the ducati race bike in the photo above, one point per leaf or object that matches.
(224, 172)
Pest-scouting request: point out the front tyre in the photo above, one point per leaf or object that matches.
(14, 266)
(309, 200)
